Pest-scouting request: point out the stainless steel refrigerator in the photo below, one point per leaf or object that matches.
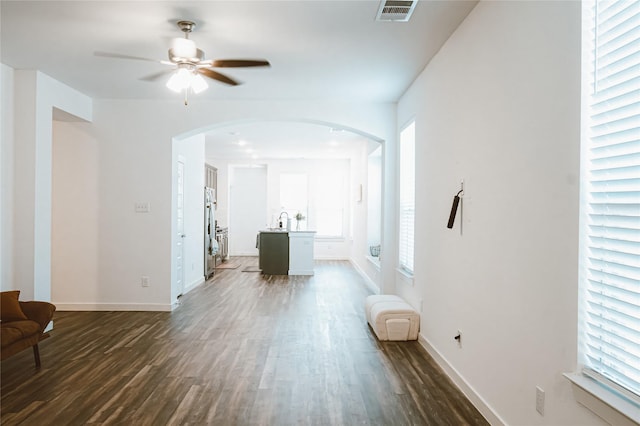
(210, 243)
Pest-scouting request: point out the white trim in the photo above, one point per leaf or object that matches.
(403, 276)
(375, 261)
(150, 307)
(613, 408)
(474, 397)
(367, 280)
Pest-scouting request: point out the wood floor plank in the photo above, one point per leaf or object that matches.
(241, 349)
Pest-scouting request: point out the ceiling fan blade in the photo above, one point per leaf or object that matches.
(157, 75)
(217, 76)
(119, 56)
(239, 63)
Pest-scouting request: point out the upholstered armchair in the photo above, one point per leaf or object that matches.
(22, 324)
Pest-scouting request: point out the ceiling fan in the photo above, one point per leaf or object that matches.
(189, 64)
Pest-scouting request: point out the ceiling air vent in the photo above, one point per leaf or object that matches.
(396, 10)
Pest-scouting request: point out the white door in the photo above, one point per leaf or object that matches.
(180, 227)
(247, 208)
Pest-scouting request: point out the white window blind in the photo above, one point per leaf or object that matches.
(610, 197)
(407, 197)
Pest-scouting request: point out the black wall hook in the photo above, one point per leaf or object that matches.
(454, 209)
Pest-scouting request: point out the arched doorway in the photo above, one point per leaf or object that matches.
(287, 146)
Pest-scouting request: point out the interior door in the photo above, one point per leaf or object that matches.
(180, 227)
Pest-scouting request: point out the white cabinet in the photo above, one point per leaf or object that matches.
(301, 252)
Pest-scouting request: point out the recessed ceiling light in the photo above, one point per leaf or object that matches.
(334, 143)
(242, 142)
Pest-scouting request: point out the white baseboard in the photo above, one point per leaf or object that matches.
(368, 281)
(329, 257)
(147, 307)
(483, 407)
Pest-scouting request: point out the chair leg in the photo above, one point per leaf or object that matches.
(36, 355)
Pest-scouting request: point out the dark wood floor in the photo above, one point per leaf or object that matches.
(242, 349)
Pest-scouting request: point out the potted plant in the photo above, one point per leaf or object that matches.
(299, 217)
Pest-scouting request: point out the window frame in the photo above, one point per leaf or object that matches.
(597, 392)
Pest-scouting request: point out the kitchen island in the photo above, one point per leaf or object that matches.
(285, 252)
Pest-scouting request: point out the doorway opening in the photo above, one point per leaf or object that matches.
(242, 151)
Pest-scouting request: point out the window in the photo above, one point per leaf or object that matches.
(610, 196)
(293, 194)
(407, 197)
(320, 197)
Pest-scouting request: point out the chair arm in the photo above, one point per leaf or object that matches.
(40, 312)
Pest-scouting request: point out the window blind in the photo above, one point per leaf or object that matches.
(610, 206)
(407, 198)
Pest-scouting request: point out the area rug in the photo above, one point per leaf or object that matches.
(252, 269)
(228, 265)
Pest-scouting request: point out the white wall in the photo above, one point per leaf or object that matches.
(374, 196)
(135, 164)
(500, 107)
(364, 212)
(6, 178)
(36, 95)
(247, 207)
(74, 216)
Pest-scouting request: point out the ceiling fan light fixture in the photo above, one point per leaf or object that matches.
(198, 84)
(190, 66)
(180, 80)
(186, 78)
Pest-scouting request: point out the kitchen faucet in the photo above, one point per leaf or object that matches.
(280, 218)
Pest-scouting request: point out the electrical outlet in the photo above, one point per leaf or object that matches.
(142, 207)
(458, 337)
(540, 400)
(144, 281)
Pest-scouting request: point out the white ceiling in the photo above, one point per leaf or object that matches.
(318, 50)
